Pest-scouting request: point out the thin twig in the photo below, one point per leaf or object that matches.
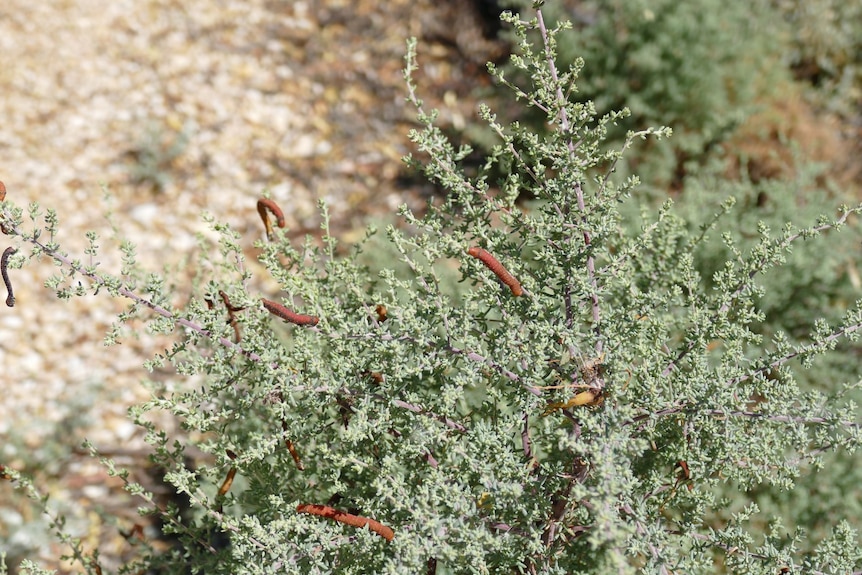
(743, 284)
(579, 192)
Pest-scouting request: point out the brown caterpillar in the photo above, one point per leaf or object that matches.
(137, 530)
(682, 465)
(495, 266)
(683, 474)
(265, 204)
(381, 312)
(4, 261)
(231, 318)
(288, 315)
(228, 481)
(347, 519)
(291, 448)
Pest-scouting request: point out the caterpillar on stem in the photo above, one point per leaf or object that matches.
(4, 262)
(347, 518)
(289, 315)
(495, 266)
(231, 310)
(228, 481)
(382, 312)
(592, 373)
(264, 205)
(291, 448)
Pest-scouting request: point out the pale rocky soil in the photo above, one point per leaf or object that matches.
(159, 110)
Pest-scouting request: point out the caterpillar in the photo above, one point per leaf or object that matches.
(495, 266)
(592, 372)
(682, 465)
(683, 475)
(228, 481)
(347, 518)
(265, 204)
(291, 448)
(288, 315)
(588, 397)
(231, 318)
(137, 530)
(382, 312)
(4, 261)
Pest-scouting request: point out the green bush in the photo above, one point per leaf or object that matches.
(825, 49)
(697, 66)
(584, 420)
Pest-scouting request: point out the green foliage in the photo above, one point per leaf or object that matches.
(825, 48)
(591, 424)
(697, 66)
(154, 156)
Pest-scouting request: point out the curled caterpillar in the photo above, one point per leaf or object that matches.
(265, 204)
(4, 261)
(492, 264)
(347, 519)
(288, 315)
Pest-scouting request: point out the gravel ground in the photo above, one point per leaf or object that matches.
(159, 110)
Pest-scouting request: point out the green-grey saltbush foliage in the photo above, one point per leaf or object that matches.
(697, 66)
(586, 426)
(825, 48)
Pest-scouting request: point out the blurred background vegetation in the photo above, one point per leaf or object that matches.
(765, 100)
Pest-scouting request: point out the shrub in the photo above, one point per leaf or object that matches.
(584, 420)
(824, 49)
(697, 66)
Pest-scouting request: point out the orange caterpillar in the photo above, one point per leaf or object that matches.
(265, 204)
(495, 266)
(291, 448)
(228, 481)
(288, 315)
(347, 519)
(382, 313)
